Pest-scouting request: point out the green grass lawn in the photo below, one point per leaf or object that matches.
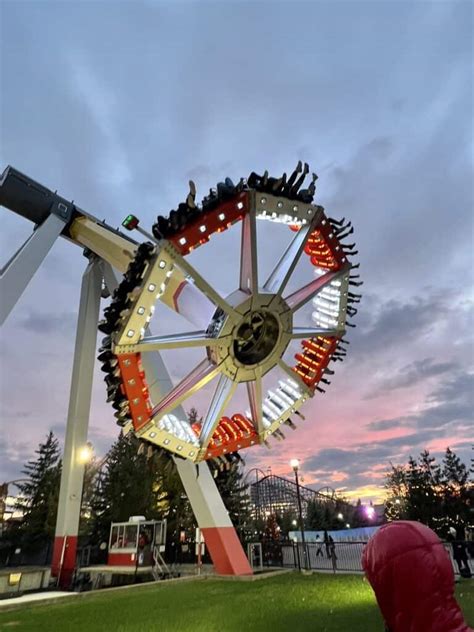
(293, 602)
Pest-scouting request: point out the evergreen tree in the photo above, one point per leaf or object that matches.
(396, 484)
(438, 496)
(138, 479)
(271, 541)
(324, 515)
(456, 491)
(423, 478)
(272, 530)
(343, 513)
(174, 503)
(316, 516)
(91, 473)
(38, 496)
(127, 487)
(258, 524)
(287, 521)
(234, 493)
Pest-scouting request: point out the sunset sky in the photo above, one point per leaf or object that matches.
(117, 105)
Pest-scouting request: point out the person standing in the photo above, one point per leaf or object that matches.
(332, 553)
(319, 546)
(470, 542)
(326, 544)
(456, 537)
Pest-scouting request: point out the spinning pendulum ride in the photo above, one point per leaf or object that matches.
(250, 340)
(243, 336)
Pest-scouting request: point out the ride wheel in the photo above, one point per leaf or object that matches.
(244, 336)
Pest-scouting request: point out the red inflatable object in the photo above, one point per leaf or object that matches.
(413, 579)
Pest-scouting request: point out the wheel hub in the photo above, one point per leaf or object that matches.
(256, 337)
(254, 343)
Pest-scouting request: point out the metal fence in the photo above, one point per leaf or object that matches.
(342, 556)
(345, 556)
(12, 556)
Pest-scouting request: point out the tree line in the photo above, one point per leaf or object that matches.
(137, 479)
(438, 494)
(132, 479)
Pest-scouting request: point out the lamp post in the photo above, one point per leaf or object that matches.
(295, 465)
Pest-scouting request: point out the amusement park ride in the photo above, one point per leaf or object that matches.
(243, 336)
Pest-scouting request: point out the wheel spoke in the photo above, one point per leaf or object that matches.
(248, 255)
(312, 332)
(282, 272)
(199, 282)
(254, 391)
(174, 341)
(186, 299)
(199, 377)
(299, 298)
(222, 395)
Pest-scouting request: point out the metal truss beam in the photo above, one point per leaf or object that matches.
(248, 255)
(21, 268)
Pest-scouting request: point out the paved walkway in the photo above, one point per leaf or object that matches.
(34, 597)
